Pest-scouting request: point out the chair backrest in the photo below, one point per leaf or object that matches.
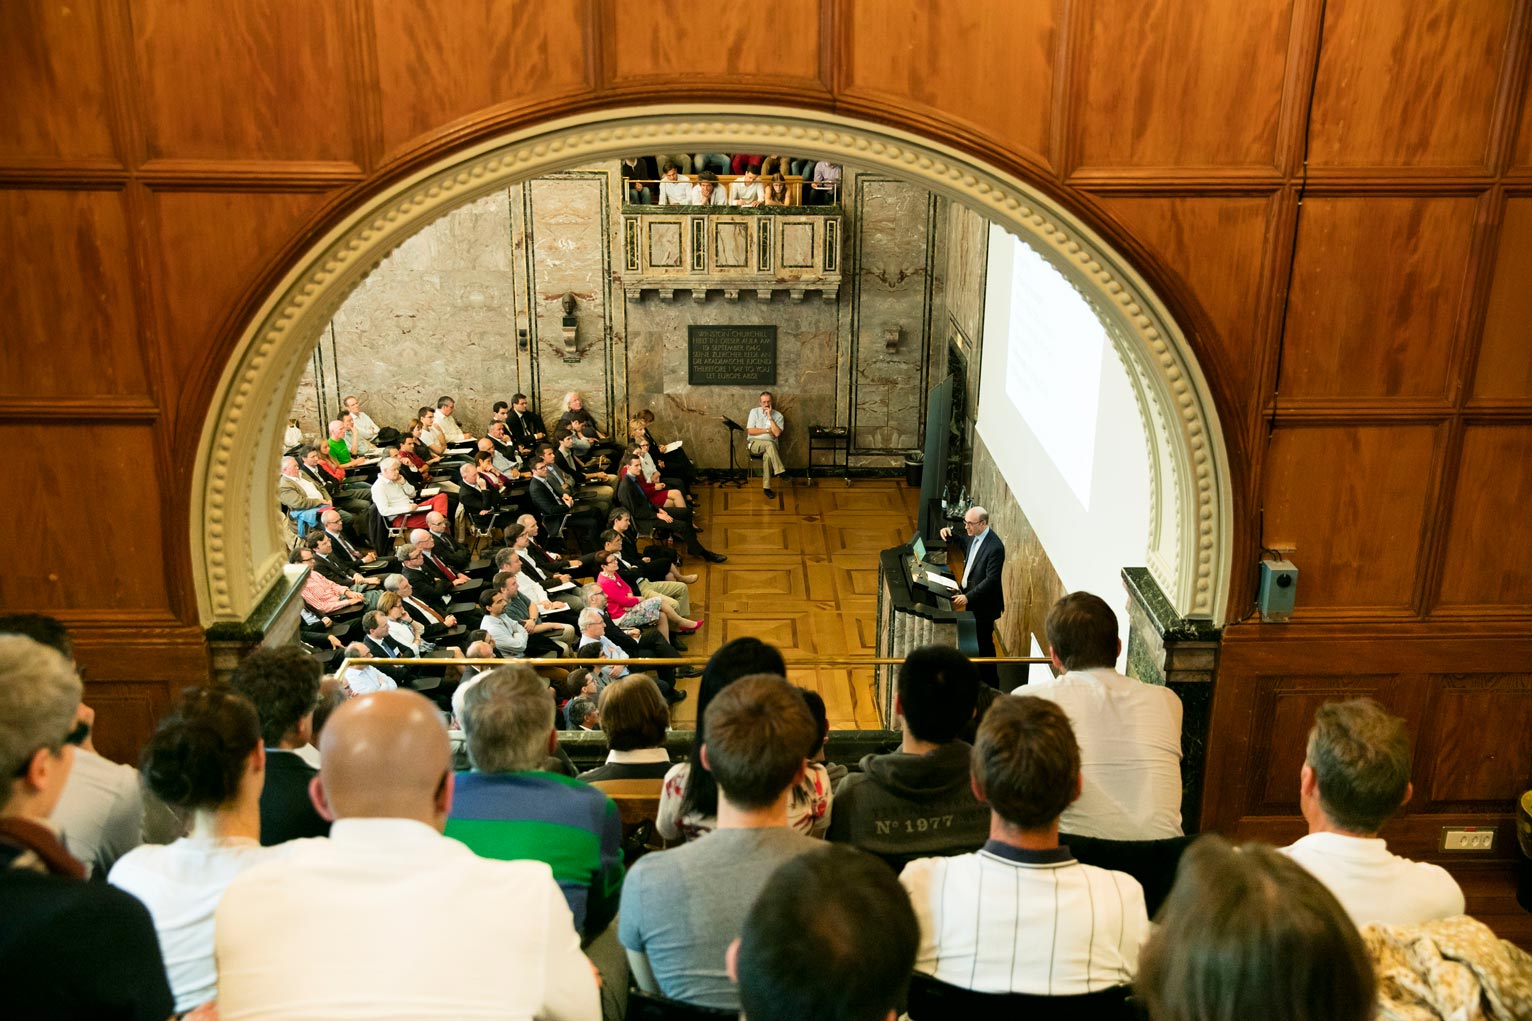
(1152, 862)
(644, 1006)
(934, 1000)
(637, 800)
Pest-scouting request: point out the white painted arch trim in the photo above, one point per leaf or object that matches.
(237, 548)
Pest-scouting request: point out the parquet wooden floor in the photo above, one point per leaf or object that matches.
(802, 574)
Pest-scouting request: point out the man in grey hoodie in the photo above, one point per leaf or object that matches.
(918, 802)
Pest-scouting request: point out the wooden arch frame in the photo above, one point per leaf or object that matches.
(237, 552)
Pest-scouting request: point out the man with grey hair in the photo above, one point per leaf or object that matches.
(300, 496)
(506, 807)
(982, 596)
(396, 500)
(426, 929)
(68, 948)
(439, 626)
(1355, 776)
(581, 713)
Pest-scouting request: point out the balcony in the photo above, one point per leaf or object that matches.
(733, 249)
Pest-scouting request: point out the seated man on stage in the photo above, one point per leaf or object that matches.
(763, 429)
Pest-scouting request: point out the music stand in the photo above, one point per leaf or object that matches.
(737, 473)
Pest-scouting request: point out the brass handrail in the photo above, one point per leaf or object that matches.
(830, 661)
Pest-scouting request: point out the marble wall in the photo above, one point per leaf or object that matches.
(472, 306)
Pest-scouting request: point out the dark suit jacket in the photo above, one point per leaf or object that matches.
(320, 479)
(524, 434)
(434, 626)
(985, 599)
(454, 553)
(333, 568)
(429, 585)
(549, 507)
(479, 505)
(286, 811)
(340, 556)
(636, 502)
(389, 649)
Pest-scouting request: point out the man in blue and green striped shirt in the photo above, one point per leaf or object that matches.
(506, 807)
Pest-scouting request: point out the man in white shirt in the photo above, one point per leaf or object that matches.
(447, 424)
(675, 188)
(1020, 915)
(747, 190)
(706, 191)
(399, 922)
(762, 430)
(364, 679)
(1129, 731)
(365, 427)
(1355, 776)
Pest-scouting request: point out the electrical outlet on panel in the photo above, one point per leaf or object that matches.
(1467, 838)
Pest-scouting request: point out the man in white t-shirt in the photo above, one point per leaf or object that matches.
(675, 187)
(746, 191)
(1355, 776)
(397, 921)
(1129, 731)
(366, 428)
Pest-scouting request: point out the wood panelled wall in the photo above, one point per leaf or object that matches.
(1334, 196)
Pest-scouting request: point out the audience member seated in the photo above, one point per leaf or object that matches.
(550, 583)
(830, 937)
(300, 496)
(673, 462)
(825, 187)
(1060, 928)
(438, 568)
(706, 191)
(1129, 732)
(740, 163)
(396, 501)
(363, 678)
(644, 643)
(558, 509)
(347, 553)
(506, 807)
(337, 569)
(656, 563)
(682, 908)
(100, 814)
(1247, 933)
(777, 192)
(747, 190)
(689, 800)
(672, 591)
(919, 801)
(430, 585)
(283, 685)
(482, 504)
(638, 180)
(633, 498)
(595, 487)
(68, 948)
(635, 719)
(590, 441)
(346, 493)
(675, 186)
(1356, 774)
(359, 444)
(206, 762)
(507, 459)
(409, 633)
(361, 422)
(447, 425)
(420, 470)
(526, 425)
(632, 611)
(581, 713)
(515, 625)
(438, 625)
(778, 165)
(612, 667)
(321, 594)
(452, 552)
(388, 918)
(550, 609)
(549, 562)
(594, 641)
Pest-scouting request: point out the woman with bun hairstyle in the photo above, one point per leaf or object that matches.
(206, 761)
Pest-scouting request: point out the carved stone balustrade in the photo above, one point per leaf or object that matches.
(736, 250)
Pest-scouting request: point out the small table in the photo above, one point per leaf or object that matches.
(832, 440)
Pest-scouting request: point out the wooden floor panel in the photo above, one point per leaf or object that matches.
(802, 574)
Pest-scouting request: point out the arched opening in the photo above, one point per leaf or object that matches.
(237, 550)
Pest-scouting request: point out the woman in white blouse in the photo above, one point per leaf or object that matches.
(207, 762)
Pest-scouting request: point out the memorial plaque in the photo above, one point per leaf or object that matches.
(731, 355)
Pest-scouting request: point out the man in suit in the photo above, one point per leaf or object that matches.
(429, 585)
(553, 505)
(594, 487)
(353, 495)
(458, 581)
(327, 565)
(642, 643)
(454, 553)
(347, 553)
(283, 684)
(526, 425)
(983, 561)
(300, 496)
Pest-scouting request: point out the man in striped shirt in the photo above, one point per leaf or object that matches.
(1021, 915)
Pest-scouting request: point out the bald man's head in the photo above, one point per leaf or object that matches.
(385, 756)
